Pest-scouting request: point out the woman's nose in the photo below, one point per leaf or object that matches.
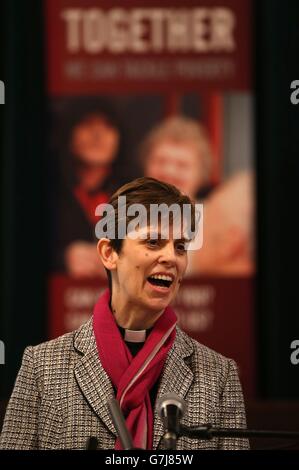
(167, 254)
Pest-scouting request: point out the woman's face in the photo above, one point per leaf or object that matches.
(149, 271)
(95, 142)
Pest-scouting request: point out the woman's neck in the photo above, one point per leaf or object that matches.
(132, 317)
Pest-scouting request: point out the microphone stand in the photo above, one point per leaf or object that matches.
(206, 431)
(120, 425)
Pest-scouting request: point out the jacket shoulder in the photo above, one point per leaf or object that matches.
(63, 344)
(47, 353)
(55, 360)
(204, 360)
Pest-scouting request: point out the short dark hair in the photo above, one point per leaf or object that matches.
(146, 191)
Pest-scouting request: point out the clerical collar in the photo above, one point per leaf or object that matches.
(134, 336)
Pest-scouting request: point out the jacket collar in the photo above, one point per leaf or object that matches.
(97, 387)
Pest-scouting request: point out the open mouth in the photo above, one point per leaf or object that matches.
(160, 281)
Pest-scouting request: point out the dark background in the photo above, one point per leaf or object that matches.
(24, 206)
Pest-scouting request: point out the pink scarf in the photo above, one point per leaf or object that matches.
(133, 377)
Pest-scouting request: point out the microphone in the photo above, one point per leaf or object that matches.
(171, 409)
(120, 425)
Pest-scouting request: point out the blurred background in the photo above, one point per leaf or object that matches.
(96, 95)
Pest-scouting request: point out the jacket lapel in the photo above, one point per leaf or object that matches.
(92, 379)
(176, 378)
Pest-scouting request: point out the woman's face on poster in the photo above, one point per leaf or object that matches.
(176, 163)
(95, 141)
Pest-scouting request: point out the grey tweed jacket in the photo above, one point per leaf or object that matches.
(61, 393)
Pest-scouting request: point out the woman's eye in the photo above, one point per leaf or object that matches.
(155, 243)
(181, 247)
(152, 242)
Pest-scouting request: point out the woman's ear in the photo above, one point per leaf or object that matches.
(107, 254)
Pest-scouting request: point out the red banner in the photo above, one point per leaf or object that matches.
(130, 46)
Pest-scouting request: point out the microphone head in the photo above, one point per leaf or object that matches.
(172, 400)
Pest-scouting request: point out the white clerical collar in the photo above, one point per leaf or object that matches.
(135, 336)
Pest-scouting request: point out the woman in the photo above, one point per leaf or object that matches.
(131, 348)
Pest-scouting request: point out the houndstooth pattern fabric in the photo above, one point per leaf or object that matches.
(61, 393)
